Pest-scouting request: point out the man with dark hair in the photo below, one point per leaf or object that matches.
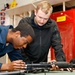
(11, 40)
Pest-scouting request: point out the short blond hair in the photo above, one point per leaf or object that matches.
(45, 6)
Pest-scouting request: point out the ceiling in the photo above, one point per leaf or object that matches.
(53, 2)
(68, 3)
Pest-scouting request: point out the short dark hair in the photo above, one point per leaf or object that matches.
(25, 29)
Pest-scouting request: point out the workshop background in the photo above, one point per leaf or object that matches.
(12, 11)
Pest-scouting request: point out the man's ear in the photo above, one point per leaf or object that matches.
(18, 33)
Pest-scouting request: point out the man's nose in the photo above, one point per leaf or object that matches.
(24, 46)
(42, 20)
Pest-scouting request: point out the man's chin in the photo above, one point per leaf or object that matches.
(40, 24)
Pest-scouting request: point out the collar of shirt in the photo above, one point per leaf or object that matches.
(3, 33)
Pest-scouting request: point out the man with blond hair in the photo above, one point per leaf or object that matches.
(46, 35)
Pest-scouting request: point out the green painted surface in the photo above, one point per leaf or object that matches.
(53, 73)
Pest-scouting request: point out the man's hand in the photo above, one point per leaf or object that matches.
(54, 67)
(15, 65)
